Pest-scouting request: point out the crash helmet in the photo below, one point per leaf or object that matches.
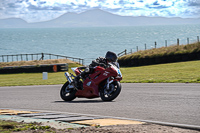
(111, 56)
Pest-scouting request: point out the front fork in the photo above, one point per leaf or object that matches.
(107, 89)
(108, 83)
(69, 78)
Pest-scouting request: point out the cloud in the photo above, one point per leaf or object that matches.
(163, 8)
(43, 10)
(194, 3)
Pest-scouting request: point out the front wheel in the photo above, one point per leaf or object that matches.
(67, 93)
(109, 94)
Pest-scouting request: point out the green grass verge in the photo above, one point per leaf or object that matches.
(24, 79)
(182, 72)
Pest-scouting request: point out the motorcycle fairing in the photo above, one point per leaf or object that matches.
(91, 83)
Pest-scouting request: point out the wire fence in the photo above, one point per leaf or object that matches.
(125, 52)
(37, 56)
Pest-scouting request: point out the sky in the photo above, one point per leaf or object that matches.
(44, 10)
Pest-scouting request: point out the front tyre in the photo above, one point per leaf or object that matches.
(67, 93)
(112, 92)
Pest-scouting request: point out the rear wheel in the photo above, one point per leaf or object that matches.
(109, 94)
(67, 92)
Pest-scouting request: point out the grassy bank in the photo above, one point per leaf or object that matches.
(35, 62)
(164, 51)
(182, 72)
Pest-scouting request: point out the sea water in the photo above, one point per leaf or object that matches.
(90, 43)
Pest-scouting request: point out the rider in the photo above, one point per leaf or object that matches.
(103, 62)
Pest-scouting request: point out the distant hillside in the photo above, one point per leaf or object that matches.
(13, 23)
(95, 18)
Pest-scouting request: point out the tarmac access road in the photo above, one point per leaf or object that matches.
(164, 102)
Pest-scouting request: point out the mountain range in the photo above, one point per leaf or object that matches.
(96, 18)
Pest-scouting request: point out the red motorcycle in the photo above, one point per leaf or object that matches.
(102, 82)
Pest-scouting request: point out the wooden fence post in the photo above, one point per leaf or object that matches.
(42, 56)
(178, 41)
(165, 43)
(137, 48)
(197, 38)
(145, 46)
(155, 44)
(188, 41)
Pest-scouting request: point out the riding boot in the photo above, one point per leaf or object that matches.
(77, 82)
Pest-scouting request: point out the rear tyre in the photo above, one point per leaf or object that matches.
(111, 93)
(66, 93)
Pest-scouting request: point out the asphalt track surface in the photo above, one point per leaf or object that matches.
(163, 102)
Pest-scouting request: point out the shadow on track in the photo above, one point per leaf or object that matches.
(83, 101)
